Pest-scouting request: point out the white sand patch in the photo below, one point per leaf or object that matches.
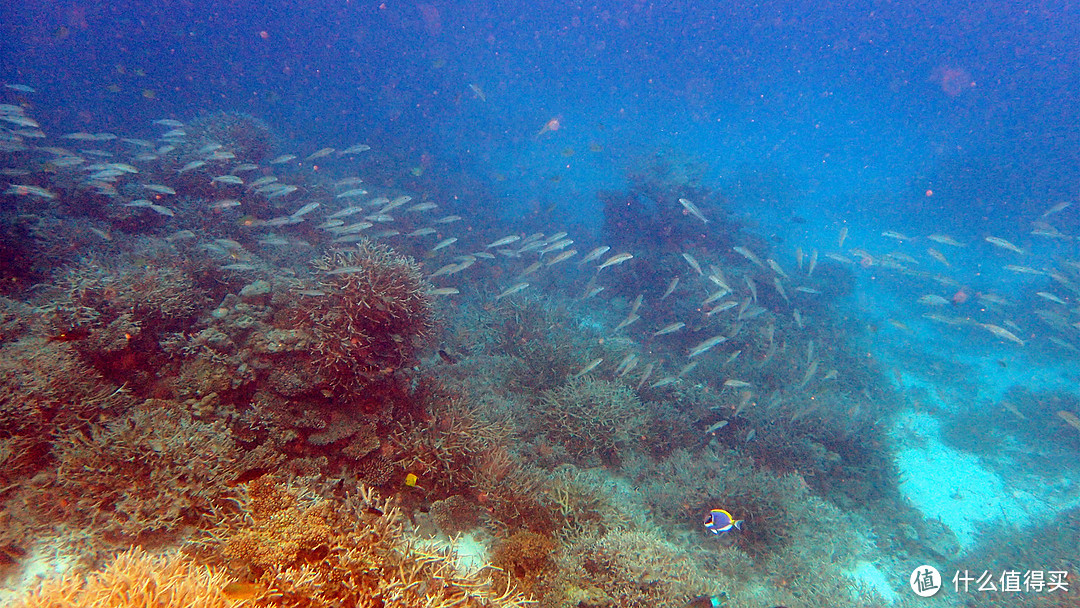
(46, 560)
(872, 577)
(953, 487)
(471, 551)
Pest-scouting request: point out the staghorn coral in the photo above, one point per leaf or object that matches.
(315, 549)
(248, 138)
(157, 469)
(374, 315)
(791, 537)
(44, 386)
(592, 418)
(156, 295)
(451, 440)
(547, 340)
(137, 579)
(634, 569)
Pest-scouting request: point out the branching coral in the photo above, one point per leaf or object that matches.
(524, 556)
(453, 443)
(313, 551)
(592, 418)
(455, 515)
(44, 385)
(547, 340)
(249, 138)
(374, 314)
(796, 539)
(157, 469)
(156, 295)
(637, 569)
(136, 579)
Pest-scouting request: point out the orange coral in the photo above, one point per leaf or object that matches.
(524, 556)
(320, 551)
(136, 579)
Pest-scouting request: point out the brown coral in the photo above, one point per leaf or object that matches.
(524, 556)
(455, 515)
(375, 314)
(157, 469)
(315, 549)
(44, 385)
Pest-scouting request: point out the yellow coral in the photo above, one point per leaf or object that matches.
(136, 579)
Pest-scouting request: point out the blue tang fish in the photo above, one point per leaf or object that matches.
(720, 522)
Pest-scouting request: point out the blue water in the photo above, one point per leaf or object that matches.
(797, 123)
(848, 111)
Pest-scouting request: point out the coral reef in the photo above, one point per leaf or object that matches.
(524, 556)
(240, 388)
(137, 579)
(249, 138)
(455, 515)
(313, 550)
(373, 315)
(592, 418)
(158, 469)
(637, 569)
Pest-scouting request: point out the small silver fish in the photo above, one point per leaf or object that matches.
(320, 153)
(195, 164)
(506, 240)
(444, 243)
(645, 375)
(692, 209)
(422, 207)
(562, 257)
(706, 345)
(670, 288)
(668, 329)
(160, 189)
(306, 209)
(512, 290)
(664, 382)
(591, 365)
(692, 262)
(618, 258)
(594, 254)
(355, 192)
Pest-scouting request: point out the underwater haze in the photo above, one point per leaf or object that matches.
(688, 304)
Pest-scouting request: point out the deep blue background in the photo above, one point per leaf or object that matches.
(845, 111)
